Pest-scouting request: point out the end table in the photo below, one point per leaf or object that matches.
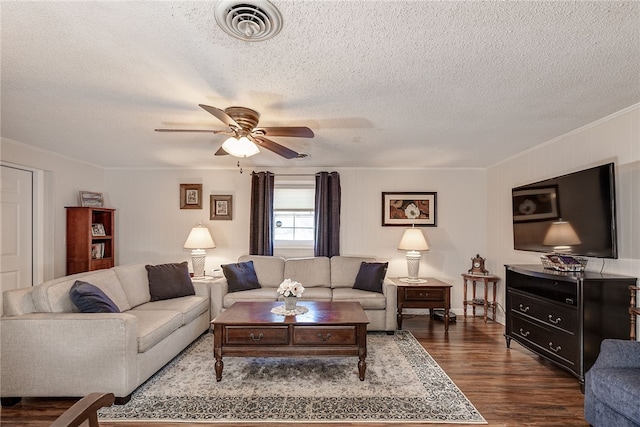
(486, 279)
(431, 294)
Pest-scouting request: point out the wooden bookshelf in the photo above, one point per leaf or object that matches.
(87, 248)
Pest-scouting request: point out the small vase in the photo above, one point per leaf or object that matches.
(290, 303)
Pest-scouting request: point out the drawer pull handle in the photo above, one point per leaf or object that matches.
(554, 321)
(554, 349)
(253, 337)
(325, 338)
(524, 309)
(426, 294)
(524, 333)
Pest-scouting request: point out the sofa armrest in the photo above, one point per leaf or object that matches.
(68, 354)
(219, 288)
(390, 291)
(615, 353)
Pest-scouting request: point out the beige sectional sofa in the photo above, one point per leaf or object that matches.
(324, 279)
(50, 349)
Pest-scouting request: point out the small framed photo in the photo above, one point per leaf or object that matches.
(409, 208)
(190, 196)
(91, 199)
(535, 204)
(98, 230)
(221, 207)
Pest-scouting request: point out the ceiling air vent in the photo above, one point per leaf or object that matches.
(251, 21)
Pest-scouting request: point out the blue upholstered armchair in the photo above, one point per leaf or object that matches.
(612, 386)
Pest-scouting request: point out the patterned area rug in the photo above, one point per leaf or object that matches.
(403, 384)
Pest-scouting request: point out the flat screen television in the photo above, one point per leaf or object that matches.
(583, 199)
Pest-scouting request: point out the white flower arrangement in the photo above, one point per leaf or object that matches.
(290, 288)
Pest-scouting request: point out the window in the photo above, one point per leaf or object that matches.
(293, 213)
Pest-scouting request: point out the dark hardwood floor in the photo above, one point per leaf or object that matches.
(510, 387)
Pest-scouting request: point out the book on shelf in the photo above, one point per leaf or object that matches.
(97, 250)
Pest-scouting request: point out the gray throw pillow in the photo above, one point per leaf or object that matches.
(90, 298)
(169, 281)
(241, 276)
(371, 276)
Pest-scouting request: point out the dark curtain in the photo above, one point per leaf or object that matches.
(327, 219)
(261, 225)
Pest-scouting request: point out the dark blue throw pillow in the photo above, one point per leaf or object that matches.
(168, 281)
(90, 299)
(241, 276)
(371, 276)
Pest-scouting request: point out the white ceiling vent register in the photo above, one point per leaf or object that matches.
(253, 20)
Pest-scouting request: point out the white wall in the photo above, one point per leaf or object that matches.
(152, 227)
(63, 179)
(474, 212)
(612, 139)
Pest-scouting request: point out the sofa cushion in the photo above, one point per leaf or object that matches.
(136, 283)
(90, 299)
(190, 306)
(371, 276)
(155, 325)
(262, 294)
(344, 270)
(53, 296)
(169, 281)
(311, 272)
(269, 269)
(240, 276)
(618, 389)
(368, 300)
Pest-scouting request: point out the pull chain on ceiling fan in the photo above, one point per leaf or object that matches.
(244, 137)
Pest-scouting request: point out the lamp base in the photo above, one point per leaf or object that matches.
(197, 260)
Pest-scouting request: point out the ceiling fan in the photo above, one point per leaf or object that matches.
(245, 137)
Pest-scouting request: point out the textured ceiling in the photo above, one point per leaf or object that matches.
(381, 83)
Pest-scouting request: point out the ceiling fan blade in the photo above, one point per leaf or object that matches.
(221, 152)
(298, 131)
(221, 115)
(274, 146)
(196, 130)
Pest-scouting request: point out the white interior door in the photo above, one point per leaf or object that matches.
(16, 232)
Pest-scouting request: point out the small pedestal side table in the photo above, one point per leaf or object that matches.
(432, 293)
(487, 279)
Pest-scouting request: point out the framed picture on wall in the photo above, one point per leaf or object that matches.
(409, 208)
(221, 207)
(190, 196)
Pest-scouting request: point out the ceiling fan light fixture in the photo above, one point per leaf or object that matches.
(240, 147)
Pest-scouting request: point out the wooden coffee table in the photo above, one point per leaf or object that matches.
(328, 329)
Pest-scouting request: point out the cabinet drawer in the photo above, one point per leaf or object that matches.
(256, 336)
(550, 342)
(423, 294)
(327, 335)
(556, 315)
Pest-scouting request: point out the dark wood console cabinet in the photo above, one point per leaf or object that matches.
(564, 317)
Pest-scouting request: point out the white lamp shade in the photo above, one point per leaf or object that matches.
(199, 238)
(561, 233)
(242, 147)
(413, 240)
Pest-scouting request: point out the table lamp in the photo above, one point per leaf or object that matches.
(198, 240)
(413, 242)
